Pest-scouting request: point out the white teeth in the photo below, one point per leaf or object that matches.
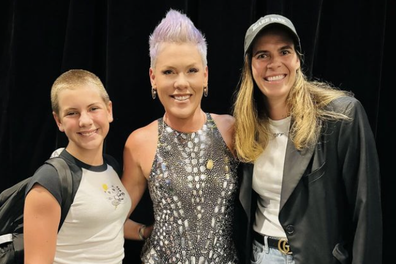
(275, 78)
(87, 134)
(181, 98)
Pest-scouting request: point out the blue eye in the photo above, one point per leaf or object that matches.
(71, 113)
(167, 72)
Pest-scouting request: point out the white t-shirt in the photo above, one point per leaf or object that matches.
(93, 231)
(267, 180)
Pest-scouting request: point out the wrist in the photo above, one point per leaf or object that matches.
(141, 230)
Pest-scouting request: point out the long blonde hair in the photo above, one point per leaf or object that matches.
(306, 101)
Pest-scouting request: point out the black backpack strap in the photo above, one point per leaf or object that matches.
(67, 185)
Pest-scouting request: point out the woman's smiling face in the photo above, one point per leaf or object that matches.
(274, 64)
(179, 77)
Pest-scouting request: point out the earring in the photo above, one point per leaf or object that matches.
(153, 93)
(206, 91)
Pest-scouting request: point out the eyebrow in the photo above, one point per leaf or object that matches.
(88, 106)
(285, 47)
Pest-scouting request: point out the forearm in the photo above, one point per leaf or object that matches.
(136, 231)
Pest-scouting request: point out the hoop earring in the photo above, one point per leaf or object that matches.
(153, 93)
(206, 91)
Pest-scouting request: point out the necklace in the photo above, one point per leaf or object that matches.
(280, 127)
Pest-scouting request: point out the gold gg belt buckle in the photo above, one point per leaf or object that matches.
(283, 246)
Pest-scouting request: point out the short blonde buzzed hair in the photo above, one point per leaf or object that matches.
(71, 79)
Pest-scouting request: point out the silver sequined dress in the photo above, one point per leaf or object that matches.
(193, 198)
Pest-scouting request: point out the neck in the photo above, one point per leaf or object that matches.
(279, 116)
(278, 110)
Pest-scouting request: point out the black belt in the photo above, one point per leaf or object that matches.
(279, 243)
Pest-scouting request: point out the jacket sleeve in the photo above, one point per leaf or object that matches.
(361, 175)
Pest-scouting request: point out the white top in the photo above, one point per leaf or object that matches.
(92, 232)
(267, 180)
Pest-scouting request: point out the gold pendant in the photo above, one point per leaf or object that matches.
(209, 164)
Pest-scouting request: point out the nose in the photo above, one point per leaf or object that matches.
(85, 119)
(274, 63)
(181, 81)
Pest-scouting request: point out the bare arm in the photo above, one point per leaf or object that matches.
(42, 214)
(139, 151)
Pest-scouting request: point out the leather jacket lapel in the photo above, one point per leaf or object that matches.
(296, 163)
(245, 192)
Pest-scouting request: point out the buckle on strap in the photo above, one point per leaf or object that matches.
(283, 246)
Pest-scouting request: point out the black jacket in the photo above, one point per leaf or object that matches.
(330, 204)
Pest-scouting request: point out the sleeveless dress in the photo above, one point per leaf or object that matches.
(193, 186)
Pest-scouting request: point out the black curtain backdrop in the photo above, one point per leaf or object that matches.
(345, 42)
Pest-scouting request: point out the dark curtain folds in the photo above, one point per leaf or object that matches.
(346, 43)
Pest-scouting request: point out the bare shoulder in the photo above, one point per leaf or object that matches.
(141, 143)
(143, 136)
(225, 124)
(139, 151)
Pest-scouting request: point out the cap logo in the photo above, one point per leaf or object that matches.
(266, 20)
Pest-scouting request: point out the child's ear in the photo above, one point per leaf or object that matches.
(58, 122)
(110, 111)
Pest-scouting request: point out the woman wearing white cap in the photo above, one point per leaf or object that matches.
(310, 188)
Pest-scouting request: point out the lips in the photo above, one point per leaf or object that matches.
(88, 133)
(275, 78)
(181, 97)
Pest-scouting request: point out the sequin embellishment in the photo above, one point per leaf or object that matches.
(193, 186)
